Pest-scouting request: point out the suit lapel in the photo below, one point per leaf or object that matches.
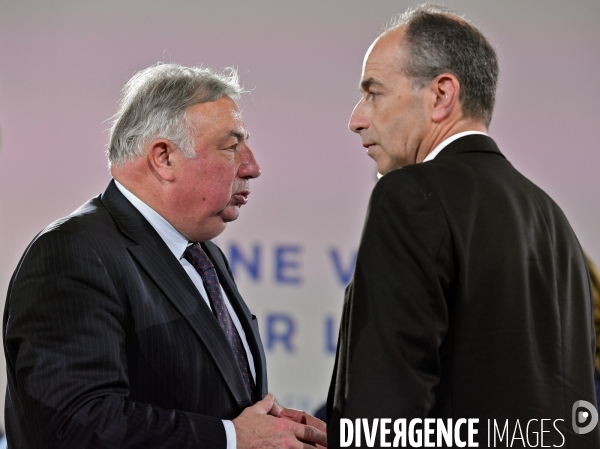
(247, 320)
(165, 270)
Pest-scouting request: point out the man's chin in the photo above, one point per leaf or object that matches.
(384, 167)
(382, 170)
(230, 213)
(381, 163)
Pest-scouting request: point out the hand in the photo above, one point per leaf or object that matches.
(299, 417)
(256, 429)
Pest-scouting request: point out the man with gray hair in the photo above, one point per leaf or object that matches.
(470, 297)
(123, 325)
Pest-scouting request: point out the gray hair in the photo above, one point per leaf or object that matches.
(154, 104)
(439, 41)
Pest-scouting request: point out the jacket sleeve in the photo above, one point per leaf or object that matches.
(64, 338)
(395, 314)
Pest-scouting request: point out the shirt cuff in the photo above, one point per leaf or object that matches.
(230, 433)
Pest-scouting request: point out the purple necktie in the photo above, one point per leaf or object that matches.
(195, 255)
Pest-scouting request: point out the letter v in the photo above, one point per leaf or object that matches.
(370, 434)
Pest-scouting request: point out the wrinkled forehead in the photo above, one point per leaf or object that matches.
(222, 115)
(384, 59)
(223, 108)
(232, 121)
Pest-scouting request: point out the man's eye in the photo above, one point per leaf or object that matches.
(373, 95)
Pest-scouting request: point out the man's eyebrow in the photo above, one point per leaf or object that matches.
(366, 84)
(239, 136)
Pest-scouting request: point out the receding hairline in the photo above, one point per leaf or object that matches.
(370, 81)
(401, 30)
(401, 27)
(400, 20)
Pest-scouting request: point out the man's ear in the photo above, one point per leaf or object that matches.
(446, 89)
(160, 159)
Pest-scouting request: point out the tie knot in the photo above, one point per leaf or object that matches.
(195, 255)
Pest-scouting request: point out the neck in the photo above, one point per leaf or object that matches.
(133, 179)
(442, 131)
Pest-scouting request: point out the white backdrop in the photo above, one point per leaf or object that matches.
(63, 63)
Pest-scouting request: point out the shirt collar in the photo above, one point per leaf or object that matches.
(176, 242)
(448, 141)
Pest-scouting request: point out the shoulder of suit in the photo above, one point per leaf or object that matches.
(401, 189)
(92, 216)
(404, 178)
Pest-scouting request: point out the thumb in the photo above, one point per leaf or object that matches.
(263, 406)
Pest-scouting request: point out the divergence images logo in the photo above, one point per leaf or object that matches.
(581, 416)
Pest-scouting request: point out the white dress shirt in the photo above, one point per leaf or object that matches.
(448, 141)
(177, 243)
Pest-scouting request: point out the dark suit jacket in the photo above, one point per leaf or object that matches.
(470, 299)
(109, 344)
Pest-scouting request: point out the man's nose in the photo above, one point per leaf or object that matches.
(358, 120)
(249, 168)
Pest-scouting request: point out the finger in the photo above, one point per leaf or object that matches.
(293, 414)
(263, 406)
(303, 418)
(310, 434)
(276, 410)
(315, 422)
